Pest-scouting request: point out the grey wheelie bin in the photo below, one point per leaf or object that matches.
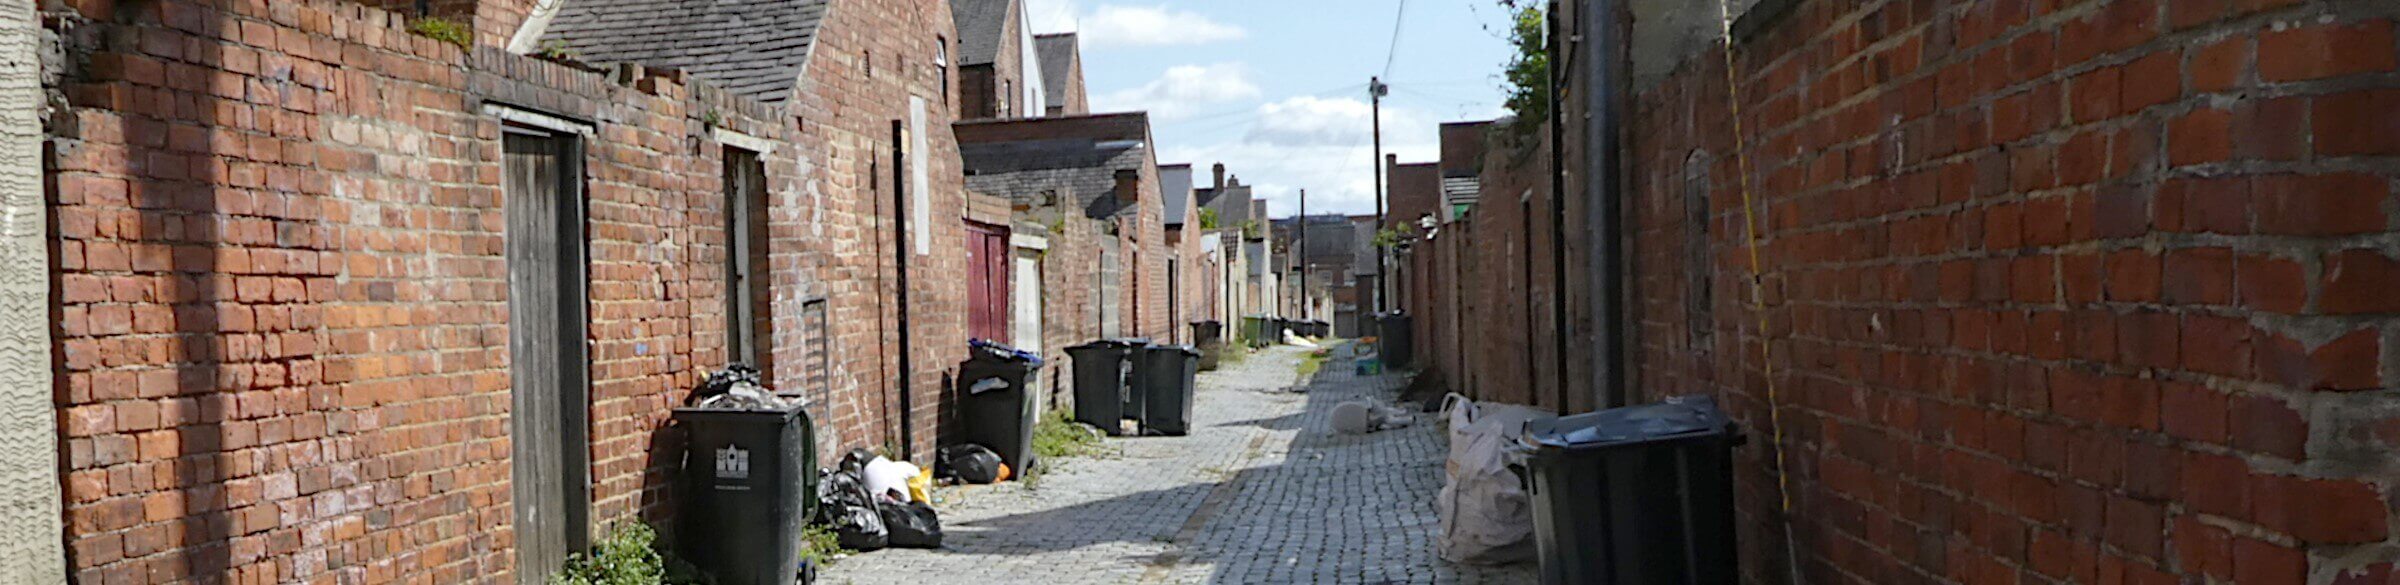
(1640, 495)
(1100, 388)
(995, 406)
(1164, 378)
(750, 480)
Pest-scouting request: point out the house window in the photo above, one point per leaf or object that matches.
(1005, 90)
(941, 65)
(1699, 299)
(746, 267)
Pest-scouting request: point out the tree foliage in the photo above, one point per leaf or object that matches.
(1528, 70)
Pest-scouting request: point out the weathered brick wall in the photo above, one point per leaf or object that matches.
(848, 109)
(283, 316)
(2056, 291)
(1506, 332)
(1070, 285)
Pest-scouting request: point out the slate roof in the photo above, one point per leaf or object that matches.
(755, 48)
(1057, 53)
(981, 24)
(1025, 171)
(1174, 183)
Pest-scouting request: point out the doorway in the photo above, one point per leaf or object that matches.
(549, 365)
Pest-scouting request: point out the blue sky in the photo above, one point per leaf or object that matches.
(1276, 89)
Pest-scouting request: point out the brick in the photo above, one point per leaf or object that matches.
(2220, 66)
(2321, 205)
(2198, 276)
(2137, 527)
(2201, 549)
(2320, 510)
(2358, 281)
(2348, 362)
(2192, 412)
(2216, 345)
(2133, 276)
(2271, 129)
(2357, 123)
(2264, 424)
(2271, 284)
(2200, 136)
(2095, 95)
(2216, 484)
(2217, 206)
(2332, 50)
(2154, 79)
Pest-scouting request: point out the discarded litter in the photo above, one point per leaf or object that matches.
(1359, 417)
(737, 387)
(888, 478)
(969, 463)
(873, 503)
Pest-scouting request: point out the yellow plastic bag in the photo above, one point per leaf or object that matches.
(920, 487)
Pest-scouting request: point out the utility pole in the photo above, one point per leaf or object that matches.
(1375, 91)
(1304, 254)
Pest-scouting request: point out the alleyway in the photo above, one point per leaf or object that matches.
(1260, 492)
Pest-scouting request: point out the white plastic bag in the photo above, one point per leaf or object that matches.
(890, 478)
(1487, 518)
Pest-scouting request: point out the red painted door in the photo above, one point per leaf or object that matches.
(987, 281)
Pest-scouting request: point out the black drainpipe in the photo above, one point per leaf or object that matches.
(1604, 185)
(1561, 61)
(907, 379)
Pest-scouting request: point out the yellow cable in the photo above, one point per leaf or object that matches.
(1758, 300)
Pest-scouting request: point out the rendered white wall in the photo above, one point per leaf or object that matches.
(31, 538)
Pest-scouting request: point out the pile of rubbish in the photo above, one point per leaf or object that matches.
(873, 503)
(736, 387)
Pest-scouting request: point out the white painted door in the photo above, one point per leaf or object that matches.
(1025, 318)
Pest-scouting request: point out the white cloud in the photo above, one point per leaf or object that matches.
(1135, 26)
(1323, 145)
(1182, 91)
(1051, 16)
(1313, 121)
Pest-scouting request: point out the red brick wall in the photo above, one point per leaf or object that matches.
(283, 315)
(849, 113)
(2057, 291)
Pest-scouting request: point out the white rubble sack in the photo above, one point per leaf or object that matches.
(1487, 518)
(1290, 339)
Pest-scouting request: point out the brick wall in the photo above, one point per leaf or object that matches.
(849, 107)
(2057, 291)
(283, 319)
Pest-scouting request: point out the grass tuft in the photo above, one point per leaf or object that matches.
(444, 30)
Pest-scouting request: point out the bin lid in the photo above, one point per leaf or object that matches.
(1674, 418)
(1185, 349)
(993, 350)
(1108, 344)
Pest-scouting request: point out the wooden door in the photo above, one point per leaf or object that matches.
(548, 365)
(987, 282)
(746, 294)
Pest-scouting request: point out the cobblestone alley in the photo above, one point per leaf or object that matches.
(1261, 492)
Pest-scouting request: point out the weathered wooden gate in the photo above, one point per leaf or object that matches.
(987, 282)
(548, 363)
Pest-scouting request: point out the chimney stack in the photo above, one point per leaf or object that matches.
(1129, 185)
(1220, 174)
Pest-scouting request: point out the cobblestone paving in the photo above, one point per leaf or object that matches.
(1260, 492)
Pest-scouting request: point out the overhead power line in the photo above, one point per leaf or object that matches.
(1393, 53)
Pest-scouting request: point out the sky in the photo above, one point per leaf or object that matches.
(1276, 89)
